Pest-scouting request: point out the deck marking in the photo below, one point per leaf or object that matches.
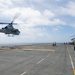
(71, 61)
(48, 55)
(59, 47)
(40, 61)
(24, 73)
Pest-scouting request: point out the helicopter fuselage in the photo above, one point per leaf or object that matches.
(10, 30)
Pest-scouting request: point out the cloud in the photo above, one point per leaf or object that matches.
(57, 0)
(69, 9)
(32, 17)
(37, 0)
(28, 15)
(57, 29)
(5, 4)
(47, 13)
(72, 24)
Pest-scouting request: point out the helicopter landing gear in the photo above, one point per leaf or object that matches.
(10, 35)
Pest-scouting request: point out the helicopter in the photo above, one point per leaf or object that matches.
(9, 29)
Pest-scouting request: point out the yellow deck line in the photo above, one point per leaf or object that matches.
(74, 71)
(71, 61)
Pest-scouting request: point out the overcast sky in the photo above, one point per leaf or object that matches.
(39, 20)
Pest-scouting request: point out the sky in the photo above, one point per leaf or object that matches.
(39, 21)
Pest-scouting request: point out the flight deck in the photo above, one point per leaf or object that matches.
(38, 59)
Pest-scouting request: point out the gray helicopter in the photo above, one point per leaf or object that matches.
(9, 29)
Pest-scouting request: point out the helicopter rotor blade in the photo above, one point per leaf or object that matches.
(4, 23)
(17, 14)
(8, 23)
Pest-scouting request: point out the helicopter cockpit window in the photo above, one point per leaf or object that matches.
(2, 28)
(6, 27)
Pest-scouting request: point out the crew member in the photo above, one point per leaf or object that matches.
(74, 45)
